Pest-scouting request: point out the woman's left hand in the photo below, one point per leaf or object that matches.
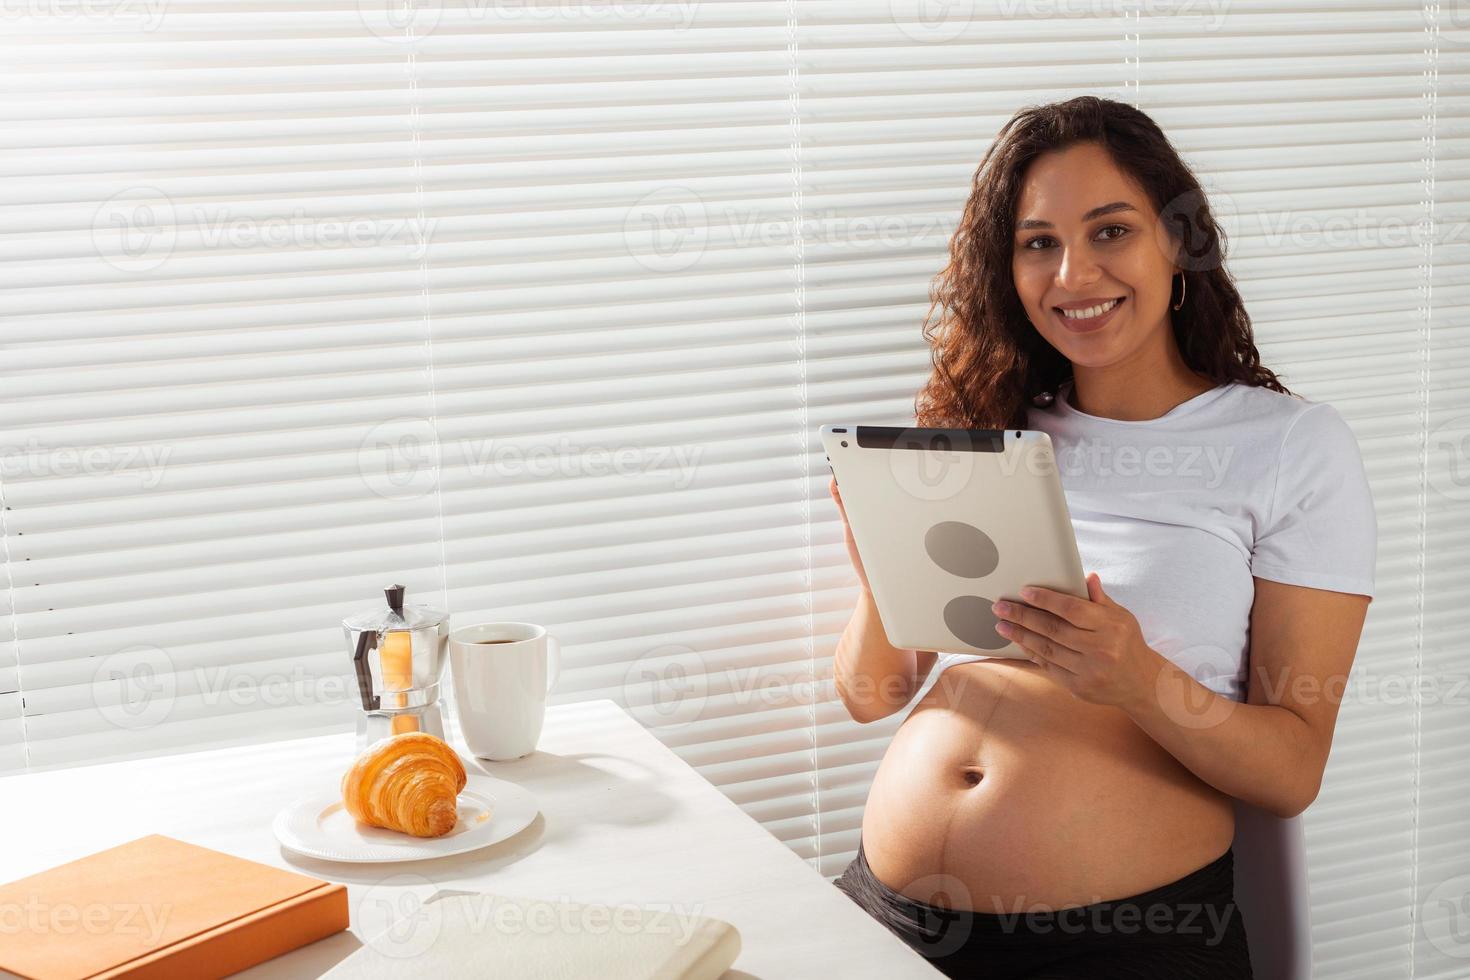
(1092, 647)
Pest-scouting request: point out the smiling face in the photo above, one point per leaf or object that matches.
(1066, 254)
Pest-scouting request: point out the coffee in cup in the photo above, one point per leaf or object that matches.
(501, 674)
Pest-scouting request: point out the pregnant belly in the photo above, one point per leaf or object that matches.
(1002, 792)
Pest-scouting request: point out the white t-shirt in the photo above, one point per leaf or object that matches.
(1177, 515)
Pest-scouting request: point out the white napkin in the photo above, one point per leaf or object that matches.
(457, 933)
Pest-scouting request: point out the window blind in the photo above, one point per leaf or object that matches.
(536, 308)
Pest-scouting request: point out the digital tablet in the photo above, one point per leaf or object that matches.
(947, 521)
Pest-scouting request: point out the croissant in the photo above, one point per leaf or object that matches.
(407, 782)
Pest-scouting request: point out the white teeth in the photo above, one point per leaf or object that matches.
(1090, 312)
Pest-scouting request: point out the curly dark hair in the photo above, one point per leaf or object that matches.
(988, 359)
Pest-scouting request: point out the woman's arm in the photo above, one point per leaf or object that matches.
(873, 677)
(1272, 750)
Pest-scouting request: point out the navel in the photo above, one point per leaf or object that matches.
(973, 776)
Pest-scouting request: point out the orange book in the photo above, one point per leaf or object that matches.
(158, 907)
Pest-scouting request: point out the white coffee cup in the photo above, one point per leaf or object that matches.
(502, 673)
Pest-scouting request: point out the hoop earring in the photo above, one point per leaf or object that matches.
(1183, 288)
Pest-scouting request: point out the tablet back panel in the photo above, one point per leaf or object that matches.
(949, 520)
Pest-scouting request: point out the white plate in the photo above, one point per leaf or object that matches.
(490, 810)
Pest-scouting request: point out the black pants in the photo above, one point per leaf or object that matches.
(1189, 929)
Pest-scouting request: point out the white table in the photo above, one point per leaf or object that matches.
(624, 820)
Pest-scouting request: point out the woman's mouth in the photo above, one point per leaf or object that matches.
(1080, 325)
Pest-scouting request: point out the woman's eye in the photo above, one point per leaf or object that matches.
(1046, 238)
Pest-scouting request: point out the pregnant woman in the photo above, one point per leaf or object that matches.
(1070, 814)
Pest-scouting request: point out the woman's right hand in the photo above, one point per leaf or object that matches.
(852, 552)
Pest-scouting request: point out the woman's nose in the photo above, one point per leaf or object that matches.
(1077, 270)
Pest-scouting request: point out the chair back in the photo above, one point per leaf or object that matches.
(1271, 893)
